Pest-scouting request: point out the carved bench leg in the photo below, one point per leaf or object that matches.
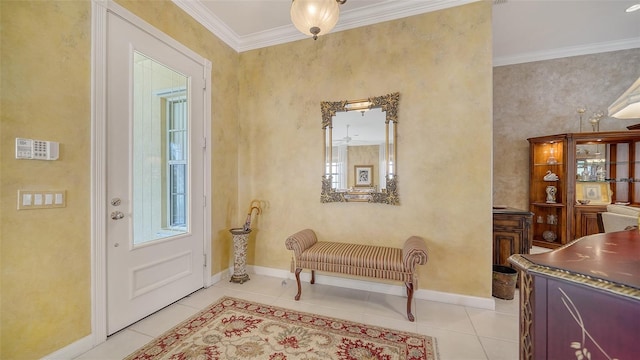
(298, 270)
(409, 286)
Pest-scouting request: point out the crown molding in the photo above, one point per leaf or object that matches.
(587, 49)
(367, 15)
(210, 21)
(392, 10)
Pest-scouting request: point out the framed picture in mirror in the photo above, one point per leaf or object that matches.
(363, 175)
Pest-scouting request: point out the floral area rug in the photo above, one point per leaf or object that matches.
(237, 329)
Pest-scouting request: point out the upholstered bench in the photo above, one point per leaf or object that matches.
(377, 262)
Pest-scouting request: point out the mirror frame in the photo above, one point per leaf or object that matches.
(389, 104)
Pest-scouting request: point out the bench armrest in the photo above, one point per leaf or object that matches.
(414, 252)
(301, 241)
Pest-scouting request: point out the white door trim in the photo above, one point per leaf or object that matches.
(99, 10)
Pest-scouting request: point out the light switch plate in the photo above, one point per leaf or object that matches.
(41, 199)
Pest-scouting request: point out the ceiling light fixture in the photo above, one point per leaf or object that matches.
(314, 17)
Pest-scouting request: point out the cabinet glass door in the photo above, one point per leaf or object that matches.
(621, 178)
(593, 167)
(548, 192)
(635, 174)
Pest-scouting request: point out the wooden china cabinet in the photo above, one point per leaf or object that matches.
(600, 168)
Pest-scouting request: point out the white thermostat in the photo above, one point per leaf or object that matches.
(36, 149)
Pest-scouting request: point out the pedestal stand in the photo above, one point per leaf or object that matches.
(240, 238)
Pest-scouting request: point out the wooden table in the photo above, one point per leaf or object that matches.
(581, 298)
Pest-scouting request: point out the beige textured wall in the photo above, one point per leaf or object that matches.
(440, 63)
(541, 98)
(45, 85)
(45, 254)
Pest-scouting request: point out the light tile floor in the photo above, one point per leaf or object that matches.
(462, 332)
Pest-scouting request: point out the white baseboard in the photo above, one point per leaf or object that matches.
(379, 287)
(224, 274)
(73, 350)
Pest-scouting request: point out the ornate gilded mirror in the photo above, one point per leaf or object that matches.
(360, 139)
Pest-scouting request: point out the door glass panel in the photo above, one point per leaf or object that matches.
(160, 151)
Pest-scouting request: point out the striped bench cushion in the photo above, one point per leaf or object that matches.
(355, 259)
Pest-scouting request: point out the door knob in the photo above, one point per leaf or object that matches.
(117, 215)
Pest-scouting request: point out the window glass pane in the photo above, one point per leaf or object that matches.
(177, 140)
(178, 216)
(177, 179)
(178, 192)
(177, 120)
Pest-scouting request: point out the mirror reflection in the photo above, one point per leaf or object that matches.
(358, 141)
(360, 150)
(591, 162)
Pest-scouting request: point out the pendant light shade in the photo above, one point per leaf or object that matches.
(315, 17)
(627, 106)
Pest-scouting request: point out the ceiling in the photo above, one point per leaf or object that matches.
(523, 30)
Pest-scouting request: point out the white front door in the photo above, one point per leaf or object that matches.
(155, 181)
